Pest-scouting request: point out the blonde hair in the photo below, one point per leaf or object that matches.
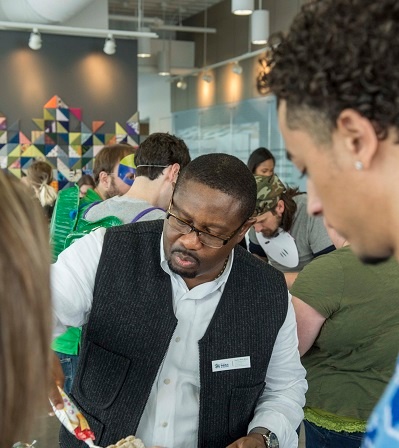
(40, 176)
(25, 318)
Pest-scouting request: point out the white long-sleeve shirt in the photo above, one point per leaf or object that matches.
(170, 418)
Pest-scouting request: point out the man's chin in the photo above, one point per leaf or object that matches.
(270, 234)
(182, 272)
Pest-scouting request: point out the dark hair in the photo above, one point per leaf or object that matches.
(259, 156)
(109, 157)
(225, 173)
(160, 148)
(339, 54)
(290, 208)
(86, 179)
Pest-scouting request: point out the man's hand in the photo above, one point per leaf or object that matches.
(57, 380)
(252, 440)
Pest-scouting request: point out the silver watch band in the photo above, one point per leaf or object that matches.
(266, 440)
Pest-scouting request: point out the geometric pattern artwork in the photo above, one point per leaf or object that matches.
(63, 140)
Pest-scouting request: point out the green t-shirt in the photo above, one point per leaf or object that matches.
(68, 342)
(354, 355)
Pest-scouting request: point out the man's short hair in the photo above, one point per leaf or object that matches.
(162, 149)
(339, 54)
(109, 157)
(225, 173)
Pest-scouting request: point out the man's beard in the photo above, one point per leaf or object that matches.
(112, 190)
(181, 271)
(270, 233)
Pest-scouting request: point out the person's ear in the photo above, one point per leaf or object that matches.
(280, 207)
(359, 137)
(174, 172)
(103, 179)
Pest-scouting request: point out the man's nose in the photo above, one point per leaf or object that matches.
(191, 241)
(315, 206)
(258, 227)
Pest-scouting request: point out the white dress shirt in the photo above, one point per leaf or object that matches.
(170, 418)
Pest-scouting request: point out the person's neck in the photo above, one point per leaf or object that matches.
(146, 190)
(100, 192)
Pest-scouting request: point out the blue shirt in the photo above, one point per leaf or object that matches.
(383, 426)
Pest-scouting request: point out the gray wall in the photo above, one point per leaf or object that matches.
(75, 69)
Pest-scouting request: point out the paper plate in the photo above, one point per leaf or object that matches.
(281, 248)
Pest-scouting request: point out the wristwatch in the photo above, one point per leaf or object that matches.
(270, 439)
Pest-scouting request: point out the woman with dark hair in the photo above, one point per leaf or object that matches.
(85, 183)
(261, 162)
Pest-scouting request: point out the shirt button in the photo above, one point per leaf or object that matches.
(164, 424)
(166, 381)
(177, 339)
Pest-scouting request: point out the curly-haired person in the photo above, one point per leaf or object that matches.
(336, 78)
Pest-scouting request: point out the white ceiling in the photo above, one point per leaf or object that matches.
(172, 12)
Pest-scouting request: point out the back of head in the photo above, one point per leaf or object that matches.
(158, 151)
(259, 156)
(338, 55)
(86, 179)
(25, 318)
(40, 176)
(40, 172)
(225, 173)
(109, 157)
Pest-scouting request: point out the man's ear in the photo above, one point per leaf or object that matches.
(280, 207)
(174, 172)
(103, 179)
(359, 136)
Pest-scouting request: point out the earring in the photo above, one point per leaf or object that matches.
(358, 165)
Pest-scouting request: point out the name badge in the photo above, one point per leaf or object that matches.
(244, 362)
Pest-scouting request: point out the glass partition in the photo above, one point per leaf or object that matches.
(237, 129)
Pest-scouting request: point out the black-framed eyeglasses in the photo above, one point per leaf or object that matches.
(206, 238)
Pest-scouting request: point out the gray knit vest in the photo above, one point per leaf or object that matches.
(131, 325)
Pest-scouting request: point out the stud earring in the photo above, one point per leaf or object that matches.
(358, 165)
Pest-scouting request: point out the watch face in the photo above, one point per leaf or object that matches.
(273, 440)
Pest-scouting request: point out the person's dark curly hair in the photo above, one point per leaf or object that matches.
(225, 173)
(339, 54)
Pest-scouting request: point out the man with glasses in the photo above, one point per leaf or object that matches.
(190, 340)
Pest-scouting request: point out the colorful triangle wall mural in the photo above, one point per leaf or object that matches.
(62, 139)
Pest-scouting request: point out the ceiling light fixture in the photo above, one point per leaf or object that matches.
(237, 68)
(181, 84)
(260, 27)
(35, 40)
(206, 77)
(109, 45)
(242, 7)
(164, 62)
(144, 45)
